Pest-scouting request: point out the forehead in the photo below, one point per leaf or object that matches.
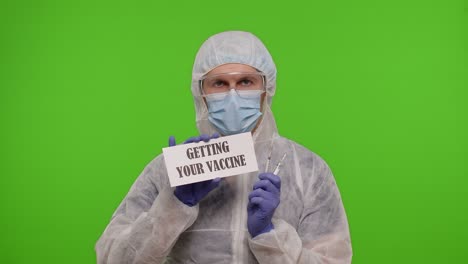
(231, 67)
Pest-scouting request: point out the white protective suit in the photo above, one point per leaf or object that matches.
(310, 226)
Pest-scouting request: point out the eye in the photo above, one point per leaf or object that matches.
(245, 82)
(218, 84)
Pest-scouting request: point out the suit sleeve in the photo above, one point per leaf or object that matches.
(147, 223)
(322, 235)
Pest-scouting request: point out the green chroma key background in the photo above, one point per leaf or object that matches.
(90, 91)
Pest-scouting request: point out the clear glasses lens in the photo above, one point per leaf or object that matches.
(222, 83)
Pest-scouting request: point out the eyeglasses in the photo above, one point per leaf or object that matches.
(240, 81)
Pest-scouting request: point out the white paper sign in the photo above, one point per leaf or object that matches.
(220, 157)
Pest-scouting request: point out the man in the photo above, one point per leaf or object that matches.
(293, 216)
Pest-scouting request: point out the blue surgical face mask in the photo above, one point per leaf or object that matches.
(234, 112)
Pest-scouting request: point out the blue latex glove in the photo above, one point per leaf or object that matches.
(263, 201)
(191, 194)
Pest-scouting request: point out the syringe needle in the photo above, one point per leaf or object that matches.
(277, 169)
(267, 167)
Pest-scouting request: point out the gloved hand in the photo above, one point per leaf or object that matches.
(191, 194)
(263, 201)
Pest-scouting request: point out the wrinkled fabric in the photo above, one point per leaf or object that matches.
(310, 226)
